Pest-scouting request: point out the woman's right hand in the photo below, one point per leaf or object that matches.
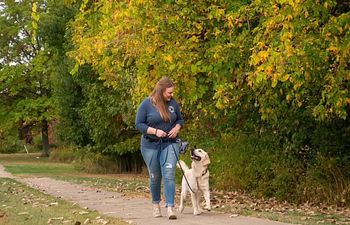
(161, 133)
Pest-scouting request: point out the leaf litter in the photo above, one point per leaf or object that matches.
(235, 202)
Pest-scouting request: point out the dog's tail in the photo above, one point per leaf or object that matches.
(182, 165)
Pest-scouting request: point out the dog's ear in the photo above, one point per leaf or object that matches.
(206, 160)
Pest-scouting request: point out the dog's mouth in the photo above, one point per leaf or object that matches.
(194, 156)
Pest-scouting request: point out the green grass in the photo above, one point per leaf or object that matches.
(27, 165)
(20, 204)
(32, 164)
(40, 169)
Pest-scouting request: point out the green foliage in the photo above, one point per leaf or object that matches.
(267, 79)
(130, 145)
(273, 69)
(327, 180)
(91, 161)
(63, 154)
(26, 70)
(257, 165)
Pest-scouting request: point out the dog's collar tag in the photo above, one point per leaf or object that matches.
(204, 172)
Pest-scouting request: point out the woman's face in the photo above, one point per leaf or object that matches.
(168, 93)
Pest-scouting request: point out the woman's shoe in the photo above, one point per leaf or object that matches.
(156, 212)
(171, 214)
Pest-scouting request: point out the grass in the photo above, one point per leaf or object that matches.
(27, 165)
(20, 204)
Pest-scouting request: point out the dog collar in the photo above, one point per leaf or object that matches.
(204, 172)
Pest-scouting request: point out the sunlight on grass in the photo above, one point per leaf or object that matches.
(24, 164)
(40, 169)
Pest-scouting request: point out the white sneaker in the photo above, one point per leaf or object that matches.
(156, 212)
(171, 214)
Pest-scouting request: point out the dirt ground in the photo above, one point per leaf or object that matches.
(134, 210)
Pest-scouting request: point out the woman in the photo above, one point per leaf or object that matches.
(159, 119)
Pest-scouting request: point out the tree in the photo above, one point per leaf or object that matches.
(26, 70)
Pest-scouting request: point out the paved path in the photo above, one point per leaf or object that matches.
(133, 210)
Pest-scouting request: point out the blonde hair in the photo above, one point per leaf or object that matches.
(157, 97)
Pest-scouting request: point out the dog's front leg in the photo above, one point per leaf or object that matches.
(206, 194)
(199, 208)
(195, 203)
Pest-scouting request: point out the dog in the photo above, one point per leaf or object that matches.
(197, 178)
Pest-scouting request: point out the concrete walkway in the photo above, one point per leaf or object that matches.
(133, 210)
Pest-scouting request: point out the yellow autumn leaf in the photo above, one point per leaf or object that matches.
(230, 21)
(286, 36)
(263, 55)
(289, 50)
(168, 58)
(340, 103)
(274, 82)
(285, 78)
(269, 70)
(254, 60)
(261, 45)
(333, 49)
(149, 49)
(289, 17)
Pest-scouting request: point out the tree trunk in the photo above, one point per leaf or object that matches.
(45, 138)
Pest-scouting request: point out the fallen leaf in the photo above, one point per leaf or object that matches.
(83, 212)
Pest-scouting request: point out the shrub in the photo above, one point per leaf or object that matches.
(63, 154)
(326, 182)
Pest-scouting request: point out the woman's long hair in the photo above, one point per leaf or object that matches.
(158, 100)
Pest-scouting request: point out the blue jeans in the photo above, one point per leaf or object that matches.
(161, 163)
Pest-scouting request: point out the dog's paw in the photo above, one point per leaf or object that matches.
(208, 208)
(196, 213)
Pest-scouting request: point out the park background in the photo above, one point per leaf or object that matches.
(263, 87)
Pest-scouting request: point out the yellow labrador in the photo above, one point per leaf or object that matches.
(198, 180)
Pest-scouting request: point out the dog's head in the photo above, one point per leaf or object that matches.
(199, 155)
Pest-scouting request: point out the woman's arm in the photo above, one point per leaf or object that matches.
(179, 122)
(141, 122)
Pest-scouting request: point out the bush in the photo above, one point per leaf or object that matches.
(11, 145)
(63, 154)
(92, 160)
(263, 167)
(326, 182)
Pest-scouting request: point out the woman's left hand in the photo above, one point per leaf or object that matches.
(173, 132)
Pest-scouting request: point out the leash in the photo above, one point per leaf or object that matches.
(183, 173)
(177, 159)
